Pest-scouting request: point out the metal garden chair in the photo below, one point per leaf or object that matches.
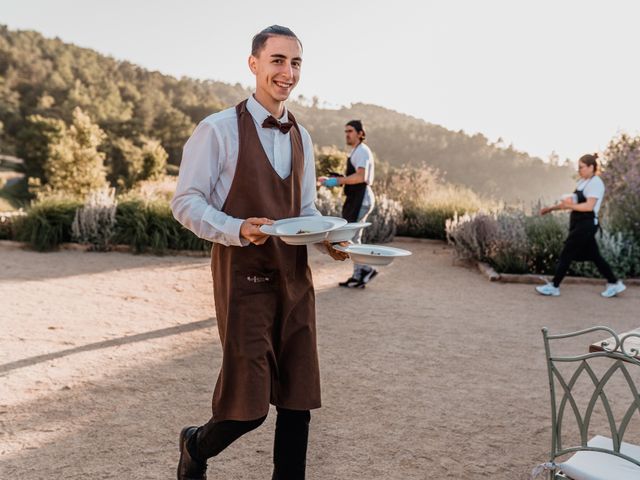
(602, 457)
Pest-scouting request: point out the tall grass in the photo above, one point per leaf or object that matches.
(48, 223)
(427, 200)
(150, 226)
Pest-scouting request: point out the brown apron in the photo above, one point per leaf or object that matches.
(265, 302)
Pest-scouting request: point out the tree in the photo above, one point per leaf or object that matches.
(129, 162)
(154, 159)
(34, 142)
(75, 166)
(124, 162)
(173, 128)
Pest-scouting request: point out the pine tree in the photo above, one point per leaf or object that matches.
(75, 166)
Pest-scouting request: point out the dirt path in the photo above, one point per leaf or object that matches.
(431, 371)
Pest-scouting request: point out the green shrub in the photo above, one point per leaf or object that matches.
(512, 242)
(546, 235)
(9, 223)
(131, 225)
(499, 239)
(330, 159)
(48, 223)
(427, 221)
(150, 226)
(622, 178)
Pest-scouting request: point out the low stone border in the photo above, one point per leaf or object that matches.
(431, 241)
(488, 271)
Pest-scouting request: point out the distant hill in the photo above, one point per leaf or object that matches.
(49, 77)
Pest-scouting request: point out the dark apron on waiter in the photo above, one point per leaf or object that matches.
(354, 196)
(582, 232)
(264, 297)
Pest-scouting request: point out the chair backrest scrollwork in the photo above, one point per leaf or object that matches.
(620, 362)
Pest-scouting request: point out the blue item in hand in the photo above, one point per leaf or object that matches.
(331, 182)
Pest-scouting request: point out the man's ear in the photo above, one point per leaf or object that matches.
(252, 64)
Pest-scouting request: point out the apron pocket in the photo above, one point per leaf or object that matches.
(251, 281)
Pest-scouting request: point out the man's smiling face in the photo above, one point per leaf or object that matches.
(277, 69)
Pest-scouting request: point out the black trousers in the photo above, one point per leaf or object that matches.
(581, 245)
(289, 447)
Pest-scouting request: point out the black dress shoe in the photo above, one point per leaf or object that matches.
(349, 282)
(190, 468)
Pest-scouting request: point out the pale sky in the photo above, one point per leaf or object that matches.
(559, 75)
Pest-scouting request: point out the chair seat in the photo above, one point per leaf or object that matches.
(603, 466)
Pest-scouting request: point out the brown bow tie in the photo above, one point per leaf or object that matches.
(271, 122)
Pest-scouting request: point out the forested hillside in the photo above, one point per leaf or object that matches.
(47, 78)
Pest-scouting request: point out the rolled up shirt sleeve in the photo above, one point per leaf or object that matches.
(309, 193)
(363, 160)
(199, 172)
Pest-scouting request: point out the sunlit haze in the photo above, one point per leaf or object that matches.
(545, 76)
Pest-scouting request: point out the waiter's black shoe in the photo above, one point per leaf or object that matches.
(349, 283)
(188, 467)
(357, 284)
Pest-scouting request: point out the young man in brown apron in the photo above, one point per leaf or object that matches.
(242, 168)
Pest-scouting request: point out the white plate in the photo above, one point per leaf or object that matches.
(315, 229)
(367, 254)
(346, 232)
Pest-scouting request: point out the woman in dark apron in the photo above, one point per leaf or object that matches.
(581, 243)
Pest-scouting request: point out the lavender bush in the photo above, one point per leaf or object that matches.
(329, 202)
(497, 238)
(384, 218)
(513, 242)
(621, 176)
(94, 222)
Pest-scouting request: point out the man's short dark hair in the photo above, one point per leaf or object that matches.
(261, 38)
(358, 127)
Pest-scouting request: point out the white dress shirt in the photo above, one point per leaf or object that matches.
(362, 157)
(209, 161)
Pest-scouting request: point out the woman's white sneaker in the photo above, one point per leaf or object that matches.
(548, 290)
(614, 289)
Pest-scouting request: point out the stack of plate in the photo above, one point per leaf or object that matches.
(315, 229)
(303, 230)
